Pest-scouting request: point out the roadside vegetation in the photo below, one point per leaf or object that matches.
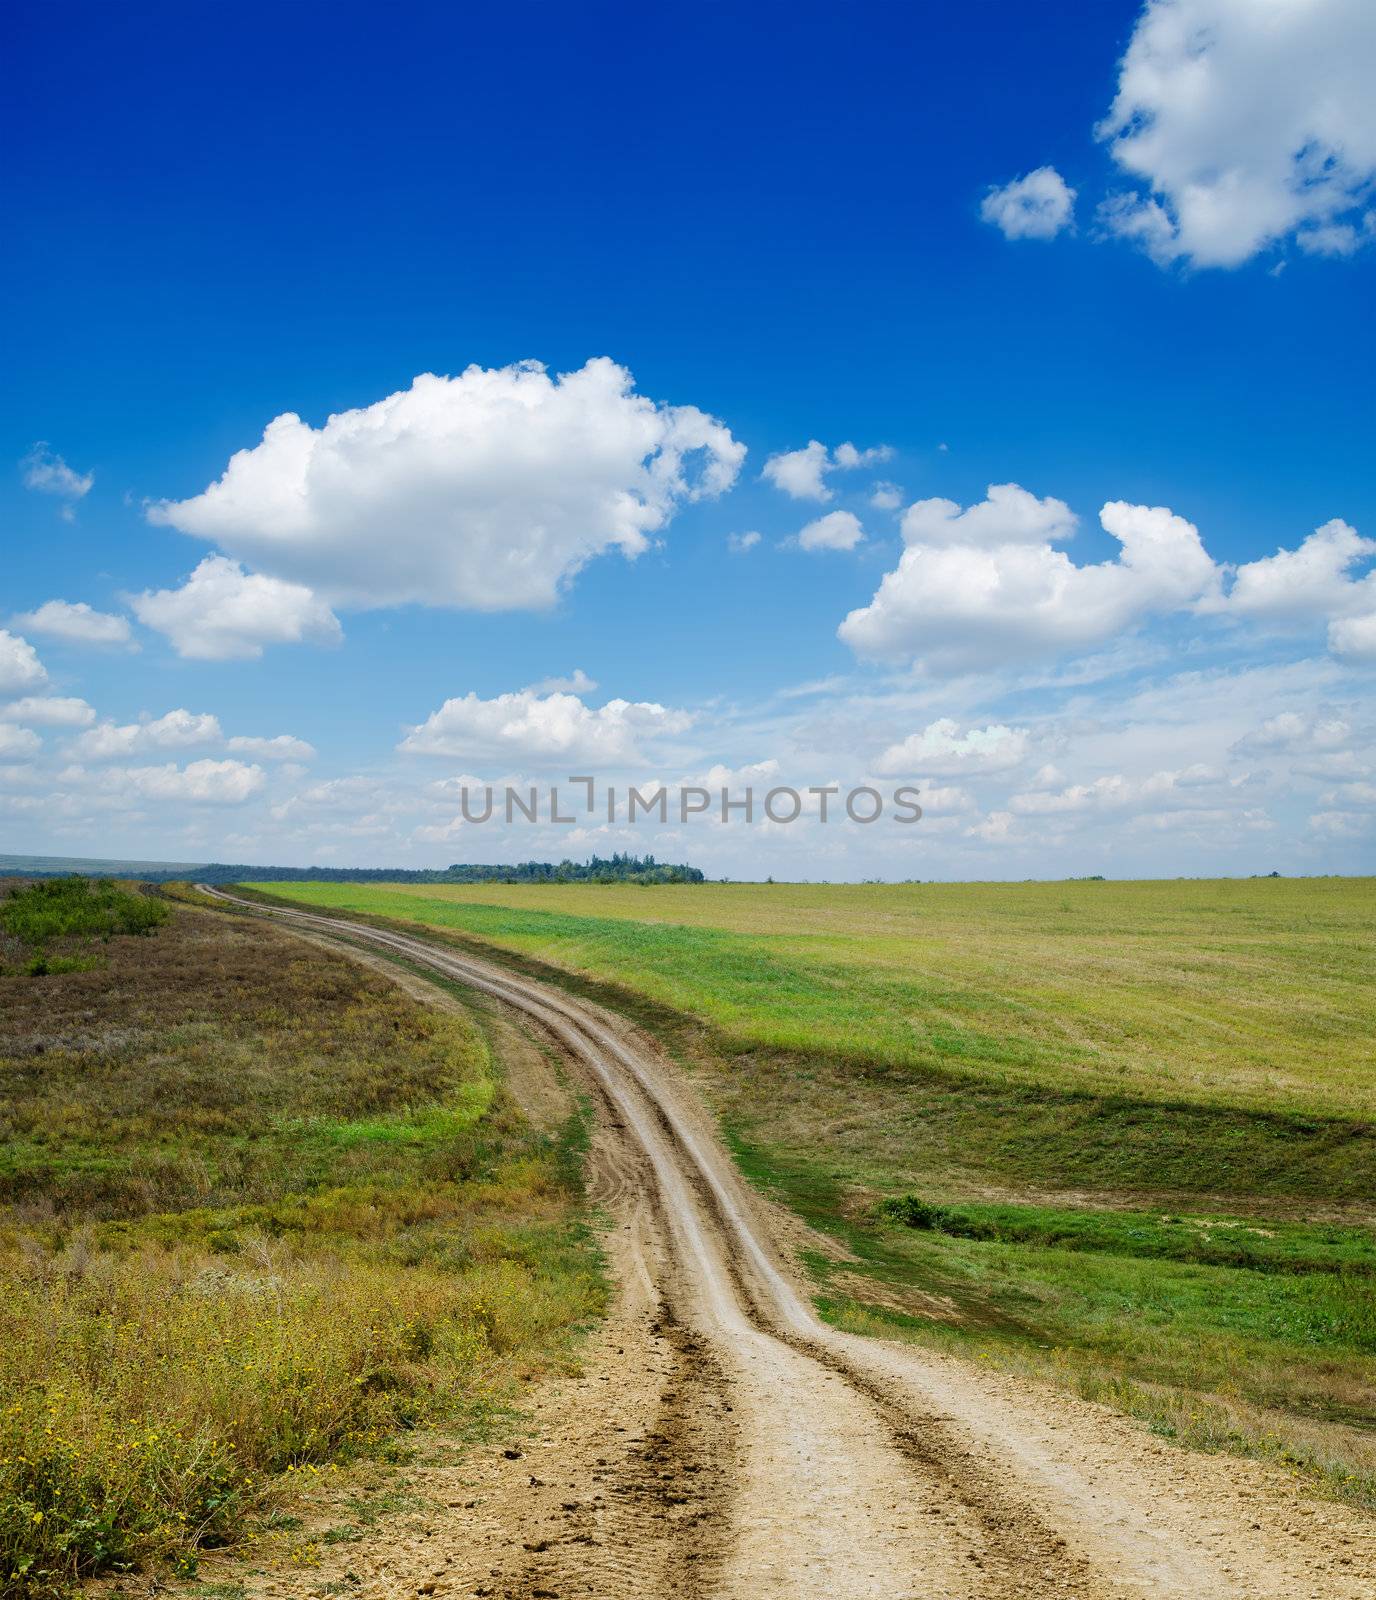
(259, 1211)
(1118, 1134)
(58, 925)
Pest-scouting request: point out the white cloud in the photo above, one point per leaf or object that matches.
(76, 623)
(1354, 637)
(838, 530)
(1312, 584)
(1356, 794)
(531, 727)
(848, 458)
(49, 711)
(739, 543)
(802, 473)
(197, 783)
(578, 682)
(886, 496)
(1175, 791)
(222, 613)
(1292, 731)
(1342, 824)
(46, 472)
(487, 491)
(20, 667)
(1036, 206)
(1111, 791)
(281, 748)
(18, 741)
(945, 800)
(941, 748)
(356, 794)
(176, 730)
(1009, 515)
(999, 827)
(758, 775)
(1250, 122)
(985, 586)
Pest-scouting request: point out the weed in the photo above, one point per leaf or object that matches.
(260, 1213)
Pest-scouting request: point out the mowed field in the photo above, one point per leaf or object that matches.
(1123, 1134)
(261, 1213)
(1258, 993)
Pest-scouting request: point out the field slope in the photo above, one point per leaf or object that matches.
(1119, 1133)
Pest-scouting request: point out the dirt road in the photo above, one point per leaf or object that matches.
(761, 1454)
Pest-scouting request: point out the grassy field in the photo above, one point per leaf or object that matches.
(1119, 1133)
(259, 1210)
(1258, 993)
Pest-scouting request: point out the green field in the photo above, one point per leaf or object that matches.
(1143, 1115)
(259, 1211)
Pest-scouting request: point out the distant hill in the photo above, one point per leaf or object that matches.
(93, 867)
(598, 869)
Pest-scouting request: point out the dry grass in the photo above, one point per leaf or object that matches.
(258, 1210)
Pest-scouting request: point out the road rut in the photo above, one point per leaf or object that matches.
(848, 1468)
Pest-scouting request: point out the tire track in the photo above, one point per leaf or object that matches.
(864, 1468)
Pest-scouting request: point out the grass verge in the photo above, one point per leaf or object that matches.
(1203, 1260)
(259, 1210)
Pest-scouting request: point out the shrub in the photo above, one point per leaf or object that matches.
(76, 908)
(913, 1212)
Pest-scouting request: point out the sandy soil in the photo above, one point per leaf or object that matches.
(723, 1443)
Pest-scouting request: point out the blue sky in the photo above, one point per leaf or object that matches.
(992, 245)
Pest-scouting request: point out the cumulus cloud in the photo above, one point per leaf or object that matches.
(942, 749)
(222, 613)
(1313, 583)
(18, 741)
(176, 730)
(20, 668)
(530, 727)
(739, 543)
(1008, 515)
(986, 585)
(76, 623)
(1036, 206)
(999, 827)
(47, 473)
(281, 748)
(802, 473)
(886, 496)
(198, 783)
(487, 491)
(49, 711)
(1248, 124)
(838, 530)
(1354, 637)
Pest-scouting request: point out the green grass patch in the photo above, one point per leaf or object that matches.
(1256, 994)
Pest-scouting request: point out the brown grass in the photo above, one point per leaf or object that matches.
(259, 1209)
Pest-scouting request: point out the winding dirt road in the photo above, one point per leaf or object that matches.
(762, 1454)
